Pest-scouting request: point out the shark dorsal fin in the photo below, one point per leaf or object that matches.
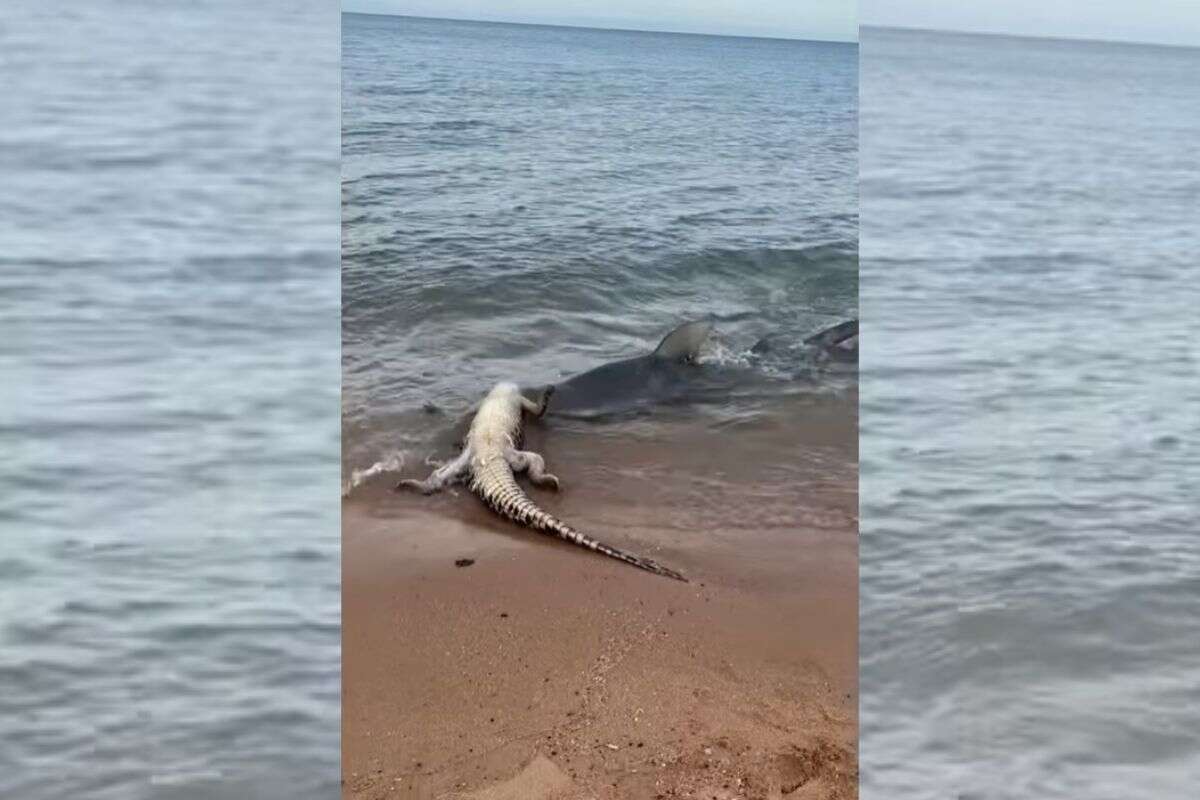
(683, 343)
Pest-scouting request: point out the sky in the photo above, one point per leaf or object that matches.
(1157, 21)
(831, 20)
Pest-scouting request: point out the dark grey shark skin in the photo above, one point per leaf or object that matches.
(835, 336)
(668, 374)
(838, 343)
(653, 378)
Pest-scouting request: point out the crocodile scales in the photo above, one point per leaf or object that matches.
(491, 457)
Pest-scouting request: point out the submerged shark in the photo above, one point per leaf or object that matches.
(838, 343)
(664, 375)
(671, 373)
(659, 376)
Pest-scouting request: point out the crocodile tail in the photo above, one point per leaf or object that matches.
(564, 531)
(498, 488)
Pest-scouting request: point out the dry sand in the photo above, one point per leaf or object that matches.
(545, 671)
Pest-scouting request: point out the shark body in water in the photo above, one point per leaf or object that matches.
(656, 377)
(672, 373)
(672, 370)
(838, 343)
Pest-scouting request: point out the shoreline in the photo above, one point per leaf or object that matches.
(546, 671)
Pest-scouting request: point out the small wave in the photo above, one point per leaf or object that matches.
(304, 554)
(723, 354)
(457, 124)
(394, 462)
(14, 569)
(183, 778)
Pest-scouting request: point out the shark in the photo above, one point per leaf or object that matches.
(837, 343)
(672, 372)
(660, 375)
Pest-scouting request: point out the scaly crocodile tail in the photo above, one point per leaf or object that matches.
(498, 488)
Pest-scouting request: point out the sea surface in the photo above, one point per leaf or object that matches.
(169, 563)
(1030, 560)
(527, 202)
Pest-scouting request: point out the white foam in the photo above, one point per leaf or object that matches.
(393, 462)
(720, 353)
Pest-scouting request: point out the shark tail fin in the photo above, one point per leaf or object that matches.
(831, 337)
(683, 343)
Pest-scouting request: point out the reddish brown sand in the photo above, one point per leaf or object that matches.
(545, 671)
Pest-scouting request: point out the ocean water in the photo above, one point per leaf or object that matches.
(169, 562)
(525, 203)
(1030, 596)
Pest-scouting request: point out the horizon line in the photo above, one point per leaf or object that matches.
(600, 28)
(1034, 36)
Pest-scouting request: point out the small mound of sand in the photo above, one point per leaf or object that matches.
(541, 779)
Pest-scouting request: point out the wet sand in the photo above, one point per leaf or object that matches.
(545, 671)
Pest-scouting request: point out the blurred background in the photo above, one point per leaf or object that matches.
(169, 373)
(1030, 613)
(169, 345)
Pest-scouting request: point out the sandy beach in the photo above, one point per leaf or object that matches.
(540, 670)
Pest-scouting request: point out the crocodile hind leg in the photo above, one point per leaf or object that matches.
(441, 477)
(539, 407)
(527, 460)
